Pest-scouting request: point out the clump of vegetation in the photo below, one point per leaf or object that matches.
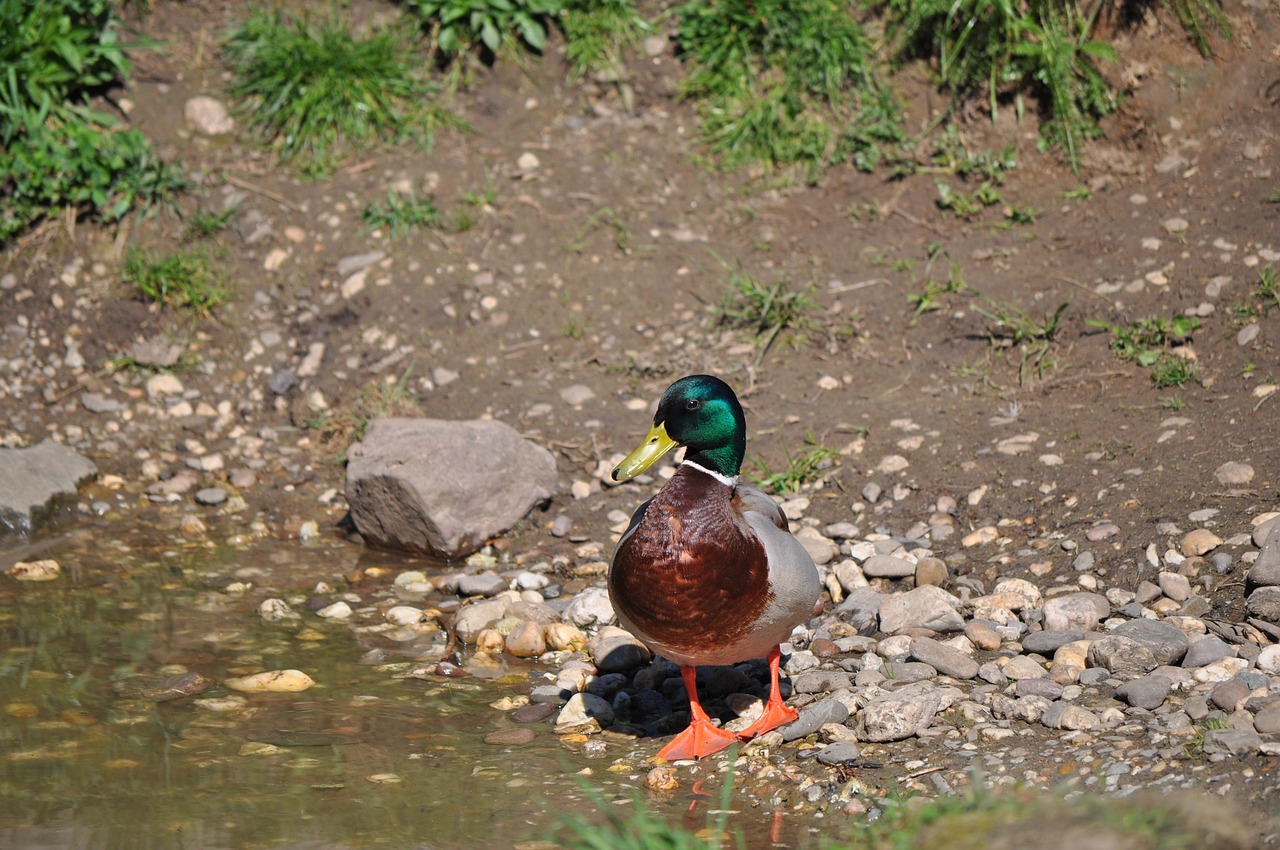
(786, 83)
(979, 45)
(56, 153)
(340, 428)
(1148, 342)
(597, 31)
(767, 310)
(1266, 296)
(931, 297)
(204, 224)
(804, 467)
(315, 91)
(185, 279)
(400, 213)
(460, 26)
(1012, 328)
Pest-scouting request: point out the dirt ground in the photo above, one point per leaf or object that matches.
(607, 245)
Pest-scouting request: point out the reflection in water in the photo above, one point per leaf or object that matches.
(99, 751)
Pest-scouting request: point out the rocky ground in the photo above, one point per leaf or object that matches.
(1037, 563)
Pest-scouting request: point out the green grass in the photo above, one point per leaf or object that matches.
(315, 92)
(767, 310)
(1012, 328)
(185, 279)
(399, 213)
(782, 83)
(347, 423)
(463, 26)
(1143, 341)
(930, 298)
(804, 467)
(56, 153)
(1171, 370)
(204, 224)
(596, 34)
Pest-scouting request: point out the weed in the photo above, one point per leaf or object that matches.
(204, 224)
(785, 83)
(1173, 402)
(1013, 323)
(314, 91)
(55, 152)
(1196, 17)
(184, 280)
(767, 310)
(930, 298)
(1268, 290)
(1143, 341)
(1000, 46)
(382, 398)
(803, 467)
(596, 31)
(461, 26)
(1172, 370)
(400, 213)
(486, 197)
(1079, 193)
(967, 206)
(603, 216)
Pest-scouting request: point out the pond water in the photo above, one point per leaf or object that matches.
(95, 754)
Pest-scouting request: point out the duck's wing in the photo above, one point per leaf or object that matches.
(747, 499)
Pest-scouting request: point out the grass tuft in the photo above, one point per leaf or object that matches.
(185, 280)
(400, 213)
(767, 311)
(314, 91)
(804, 467)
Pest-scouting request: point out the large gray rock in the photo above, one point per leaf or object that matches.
(444, 487)
(899, 714)
(1265, 571)
(925, 607)
(1165, 640)
(33, 481)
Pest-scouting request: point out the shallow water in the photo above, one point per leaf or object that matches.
(93, 759)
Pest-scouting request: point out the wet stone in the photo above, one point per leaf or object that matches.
(211, 496)
(839, 752)
(511, 737)
(534, 712)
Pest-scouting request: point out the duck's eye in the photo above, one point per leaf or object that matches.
(692, 404)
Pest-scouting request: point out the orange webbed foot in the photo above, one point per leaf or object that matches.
(699, 740)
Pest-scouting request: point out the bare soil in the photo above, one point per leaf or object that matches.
(601, 264)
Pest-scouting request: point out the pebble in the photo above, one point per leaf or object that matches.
(1233, 474)
(511, 737)
(211, 496)
(45, 569)
(272, 681)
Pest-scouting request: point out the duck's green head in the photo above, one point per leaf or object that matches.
(702, 413)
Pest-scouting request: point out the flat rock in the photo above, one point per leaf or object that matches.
(925, 607)
(945, 659)
(443, 487)
(839, 753)
(1075, 611)
(1047, 641)
(1206, 651)
(1166, 641)
(35, 480)
(813, 717)
(616, 650)
(887, 566)
(1231, 742)
(898, 715)
(1124, 657)
(1066, 715)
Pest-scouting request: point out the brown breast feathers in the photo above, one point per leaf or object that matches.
(690, 573)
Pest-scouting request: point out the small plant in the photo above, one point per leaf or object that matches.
(461, 26)
(1172, 370)
(803, 467)
(1196, 17)
(1012, 328)
(766, 310)
(184, 280)
(1001, 47)
(400, 213)
(784, 83)
(348, 423)
(1268, 289)
(596, 32)
(1143, 341)
(930, 298)
(204, 224)
(607, 217)
(967, 206)
(56, 153)
(314, 91)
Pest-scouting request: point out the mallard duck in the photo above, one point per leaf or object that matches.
(707, 572)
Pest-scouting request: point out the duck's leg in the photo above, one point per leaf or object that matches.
(700, 738)
(776, 712)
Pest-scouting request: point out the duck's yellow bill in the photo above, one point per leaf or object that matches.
(655, 445)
